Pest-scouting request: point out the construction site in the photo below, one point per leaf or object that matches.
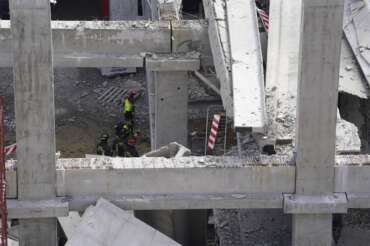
(184, 122)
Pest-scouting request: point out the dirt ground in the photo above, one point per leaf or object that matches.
(81, 117)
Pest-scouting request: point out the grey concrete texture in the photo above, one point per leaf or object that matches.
(34, 114)
(356, 18)
(316, 129)
(50, 208)
(169, 151)
(329, 204)
(173, 62)
(217, 32)
(246, 63)
(106, 224)
(171, 108)
(282, 78)
(93, 43)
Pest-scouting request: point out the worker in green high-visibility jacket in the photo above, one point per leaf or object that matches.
(129, 107)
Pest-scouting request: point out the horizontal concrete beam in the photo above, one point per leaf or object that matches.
(37, 209)
(178, 180)
(358, 200)
(114, 43)
(195, 182)
(166, 62)
(163, 202)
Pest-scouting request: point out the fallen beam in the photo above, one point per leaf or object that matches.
(219, 43)
(246, 65)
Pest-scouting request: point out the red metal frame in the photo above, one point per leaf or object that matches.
(3, 207)
(105, 9)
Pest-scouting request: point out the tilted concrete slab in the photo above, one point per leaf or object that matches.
(70, 223)
(246, 65)
(106, 224)
(219, 41)
(356, 29)
(351, 79)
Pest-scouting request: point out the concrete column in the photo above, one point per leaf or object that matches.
(171, 119)
(168, 113)
(123, 10)
(168, 107)
(34, 113)
(317, 114)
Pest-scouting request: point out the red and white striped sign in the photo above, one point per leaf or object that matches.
(214, 130)
(10, 149)
(264, 18)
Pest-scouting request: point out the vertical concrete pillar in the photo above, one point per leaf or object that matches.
(34, 112)
(168, 113)
(317, 114)
(171, 102)
(168, 107)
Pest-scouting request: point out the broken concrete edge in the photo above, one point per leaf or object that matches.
(323, 204)
(169, 151)
(117, 43)
(173, 62)
(104, 162)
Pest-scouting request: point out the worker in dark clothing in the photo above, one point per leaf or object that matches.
(103, 147)
(119, 147)
(118, 143)
(129, 107)
(125, 143)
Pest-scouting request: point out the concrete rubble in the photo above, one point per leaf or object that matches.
(169, 151)
(105, 224)
(166, 51)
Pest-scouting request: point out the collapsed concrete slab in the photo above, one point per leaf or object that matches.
(106, 224)
(70, 223)
(356, 29)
